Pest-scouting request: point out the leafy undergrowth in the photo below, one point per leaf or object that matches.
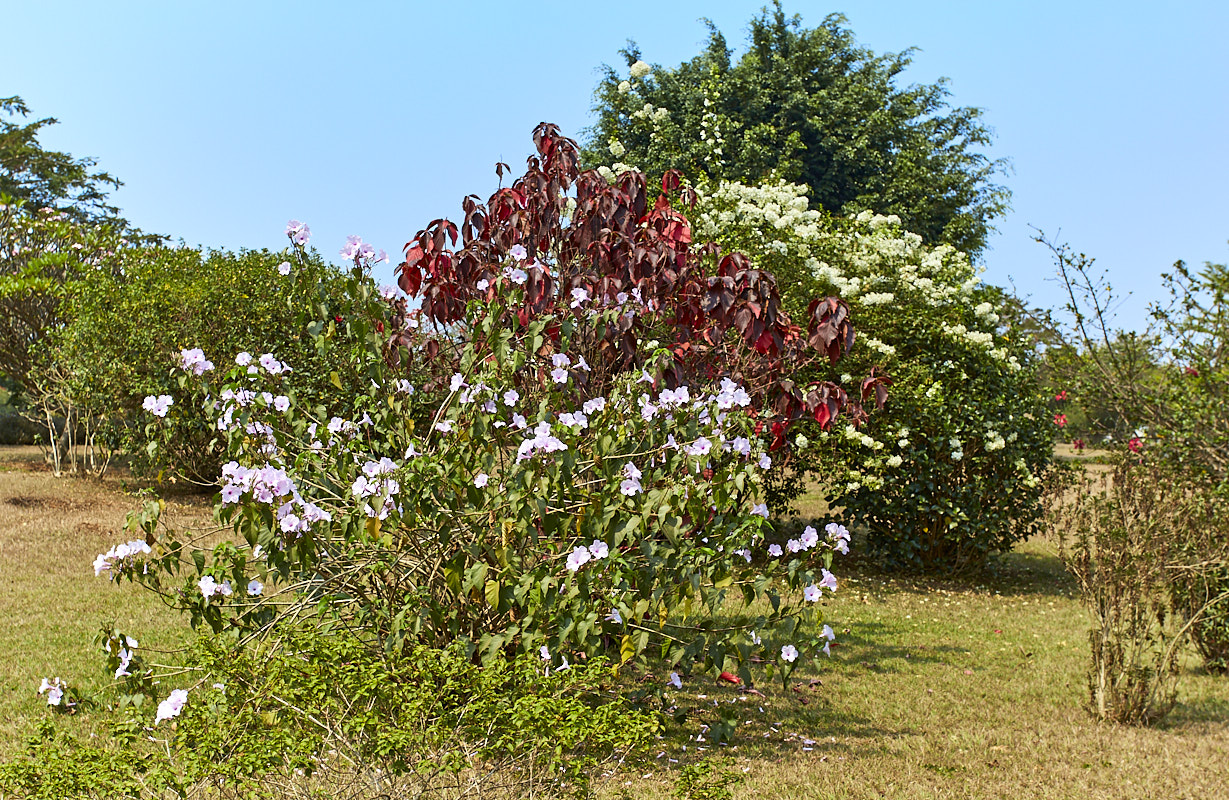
(935, 688)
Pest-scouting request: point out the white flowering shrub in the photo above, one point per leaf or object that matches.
(950, 470)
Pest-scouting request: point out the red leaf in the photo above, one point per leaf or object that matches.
(727, 677)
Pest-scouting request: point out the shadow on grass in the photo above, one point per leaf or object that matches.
(863, 646)
(1196, 711)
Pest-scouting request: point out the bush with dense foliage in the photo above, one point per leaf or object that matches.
(950, 470)
(127, 326)
(812, 107)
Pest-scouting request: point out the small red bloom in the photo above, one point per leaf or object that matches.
(1078, 445)
(1061, 396)
(338, 320)
(1194, 373)
(1060, 420)
(1135, 445)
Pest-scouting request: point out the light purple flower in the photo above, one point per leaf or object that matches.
(789, 653)
(700, 447)
(559, 375)
(388, 292)
(810, 538)
(172, 705)
(243, 359)
(284, 268)
(457, 382)
(675, 680)
(761, 509)
(561, 360)
(828, 580)
(594, 405)
(298, 232)
(812, 593)
(158, 406)
(614, 616)
(765, 462)
(483, 285)
(599, 549)
(518, 276)
(481, 480)
(255, 588)
(774, 550)
(518, 252)
(578, 558)
(511, 397)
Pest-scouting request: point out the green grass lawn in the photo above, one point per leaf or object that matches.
(936, 688)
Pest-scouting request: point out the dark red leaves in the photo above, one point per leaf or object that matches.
(716, 313)
(828, 327)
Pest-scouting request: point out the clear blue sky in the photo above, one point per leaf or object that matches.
(226, 119)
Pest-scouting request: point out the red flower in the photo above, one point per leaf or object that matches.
(1136, 444)
(1061, 396)
(1078, 445)
(1060, 420)
(1194, 373)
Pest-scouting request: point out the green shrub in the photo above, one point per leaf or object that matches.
(15, 428)
(128, 327)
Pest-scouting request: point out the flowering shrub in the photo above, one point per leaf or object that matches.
(950, 470)
(558, 485)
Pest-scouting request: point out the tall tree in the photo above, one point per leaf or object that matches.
(809, 106)
(48, 178)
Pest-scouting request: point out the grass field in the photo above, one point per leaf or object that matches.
(936, 688)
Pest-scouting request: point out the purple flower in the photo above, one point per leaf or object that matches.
(700, 447)
(298, 232)
(284, 268)
(559, 375)
(828, 580)
(577, 558)
(518, 252)
(481, 480)
(761, 509)
(774, 550)
(158, 406)
(599, 549)
(812, 593)
(172, 705)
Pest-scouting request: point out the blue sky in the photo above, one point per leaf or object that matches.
(226, 119)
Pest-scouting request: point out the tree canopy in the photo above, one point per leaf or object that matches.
(810, 106)
(48, 178)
